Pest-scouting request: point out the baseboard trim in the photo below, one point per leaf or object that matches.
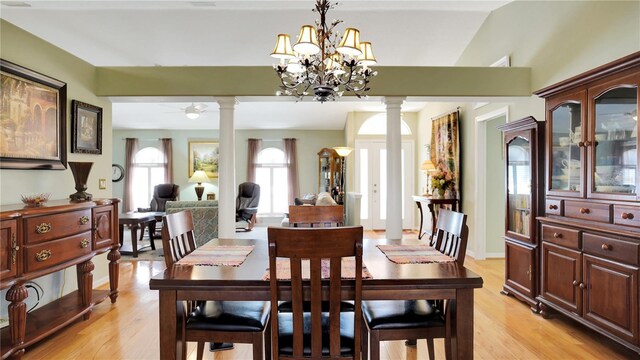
(101, 281)
(494, 255)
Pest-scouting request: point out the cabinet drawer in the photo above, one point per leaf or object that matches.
(47, 227)
(612, 249)
(626, 215)
(561, 236)
(587, 211)
(554, 207)
(55, 252)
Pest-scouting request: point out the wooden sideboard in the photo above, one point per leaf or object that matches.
(37, 241)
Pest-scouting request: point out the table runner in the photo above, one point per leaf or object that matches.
(217, 255)
(414, 254)
(283, 269)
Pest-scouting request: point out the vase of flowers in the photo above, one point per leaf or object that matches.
(441, 181)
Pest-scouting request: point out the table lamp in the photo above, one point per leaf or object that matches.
(199, 177)
(428, 167)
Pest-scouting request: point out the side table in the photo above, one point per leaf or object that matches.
(137, 220)
(453, 203)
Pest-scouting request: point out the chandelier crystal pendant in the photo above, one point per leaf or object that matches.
(318, 63)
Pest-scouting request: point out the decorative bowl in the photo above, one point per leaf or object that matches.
(35, 199)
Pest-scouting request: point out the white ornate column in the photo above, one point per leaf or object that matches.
(227, 169)
(394, 168)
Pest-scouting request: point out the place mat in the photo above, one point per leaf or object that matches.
(414, 254)
(283, 269)
(217, 255)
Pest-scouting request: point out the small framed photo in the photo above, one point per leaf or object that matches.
(211, 196)
(86, 128)
(203, 155)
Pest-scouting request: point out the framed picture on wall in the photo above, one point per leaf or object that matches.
(32, 119)
(86, 128)
(203, 155)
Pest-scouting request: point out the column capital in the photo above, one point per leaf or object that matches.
(227, 102)
(394, 101)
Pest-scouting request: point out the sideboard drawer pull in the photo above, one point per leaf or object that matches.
(553, 207)
(84, 220)
(43, 255)
(606, 247)
(627, 216)
(575, 283)
(14, 248)
(584, 210)
(84, 243)
(582, 286)
(557, 235)
(43, 228)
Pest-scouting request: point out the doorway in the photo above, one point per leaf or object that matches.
(371, 182)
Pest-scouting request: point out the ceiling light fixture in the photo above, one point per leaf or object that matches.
(193, 111)
(316, 62)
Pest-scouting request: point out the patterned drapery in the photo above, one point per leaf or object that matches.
(445, 149)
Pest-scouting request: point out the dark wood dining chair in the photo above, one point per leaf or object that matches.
(315, 334)
(219, 321)
(316, 216)
(418, 319)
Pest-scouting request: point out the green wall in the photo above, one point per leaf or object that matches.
(494, 184)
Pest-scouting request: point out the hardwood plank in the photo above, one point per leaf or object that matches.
(503, 327)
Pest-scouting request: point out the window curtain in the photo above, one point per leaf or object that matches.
(291, 162)
(445, 149)
(167, 150)
(252, 158)
(131, 148)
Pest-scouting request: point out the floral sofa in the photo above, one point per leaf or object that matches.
(205, 217)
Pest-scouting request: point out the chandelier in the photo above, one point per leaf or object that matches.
(316, 64)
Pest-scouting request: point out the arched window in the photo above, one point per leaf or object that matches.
(377, 125)
(148, 171)
(271, 175)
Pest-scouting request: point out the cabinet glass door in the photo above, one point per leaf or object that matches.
(615, 140)
(519, 186)
(566, 167)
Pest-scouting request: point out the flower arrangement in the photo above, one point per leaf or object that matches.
(35, 200)
(441, 180)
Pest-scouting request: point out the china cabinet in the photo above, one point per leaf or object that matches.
(37, 241)
(329, 172)
(590, 232)
(523, 149)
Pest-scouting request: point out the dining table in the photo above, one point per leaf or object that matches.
(389, 281)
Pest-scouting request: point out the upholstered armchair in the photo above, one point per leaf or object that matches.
(247, 205)
(163, 193)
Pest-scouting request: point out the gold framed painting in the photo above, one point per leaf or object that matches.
(32, 119)
(203, 155)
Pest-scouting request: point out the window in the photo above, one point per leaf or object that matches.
(377, 125)
(271, 175)
(148, 171)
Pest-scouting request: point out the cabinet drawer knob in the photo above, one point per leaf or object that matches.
(584, 210)
(84, 243)
(84, 220)
(582, 286)
(575, 283)
(606, 247)
(553, 207)
(43, 255)
(557, 235)
(627, 216)
(587, 143)
(581, 144)
(43, 228)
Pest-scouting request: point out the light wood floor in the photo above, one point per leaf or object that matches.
(504, 327)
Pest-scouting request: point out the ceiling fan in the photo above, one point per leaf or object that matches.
(192, 111)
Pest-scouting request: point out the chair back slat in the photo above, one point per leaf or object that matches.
(315, 244)
(177, 236)
(451, 234)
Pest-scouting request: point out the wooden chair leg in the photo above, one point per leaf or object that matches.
(447, 348)
(364, 340)
(374, 348)
(267, 340)
(430, 348)
(258, 346)
(200, 353)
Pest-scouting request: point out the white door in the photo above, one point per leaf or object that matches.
(371, 182)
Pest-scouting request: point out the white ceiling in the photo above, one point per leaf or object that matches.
(222, 33)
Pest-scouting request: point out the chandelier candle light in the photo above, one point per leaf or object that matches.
(316, 62)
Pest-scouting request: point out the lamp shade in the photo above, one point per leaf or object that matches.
(199, 176)
(367, 57)
(283, 48)
(427, 166)
(343, 150)
(350, 43)
(307, 41)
